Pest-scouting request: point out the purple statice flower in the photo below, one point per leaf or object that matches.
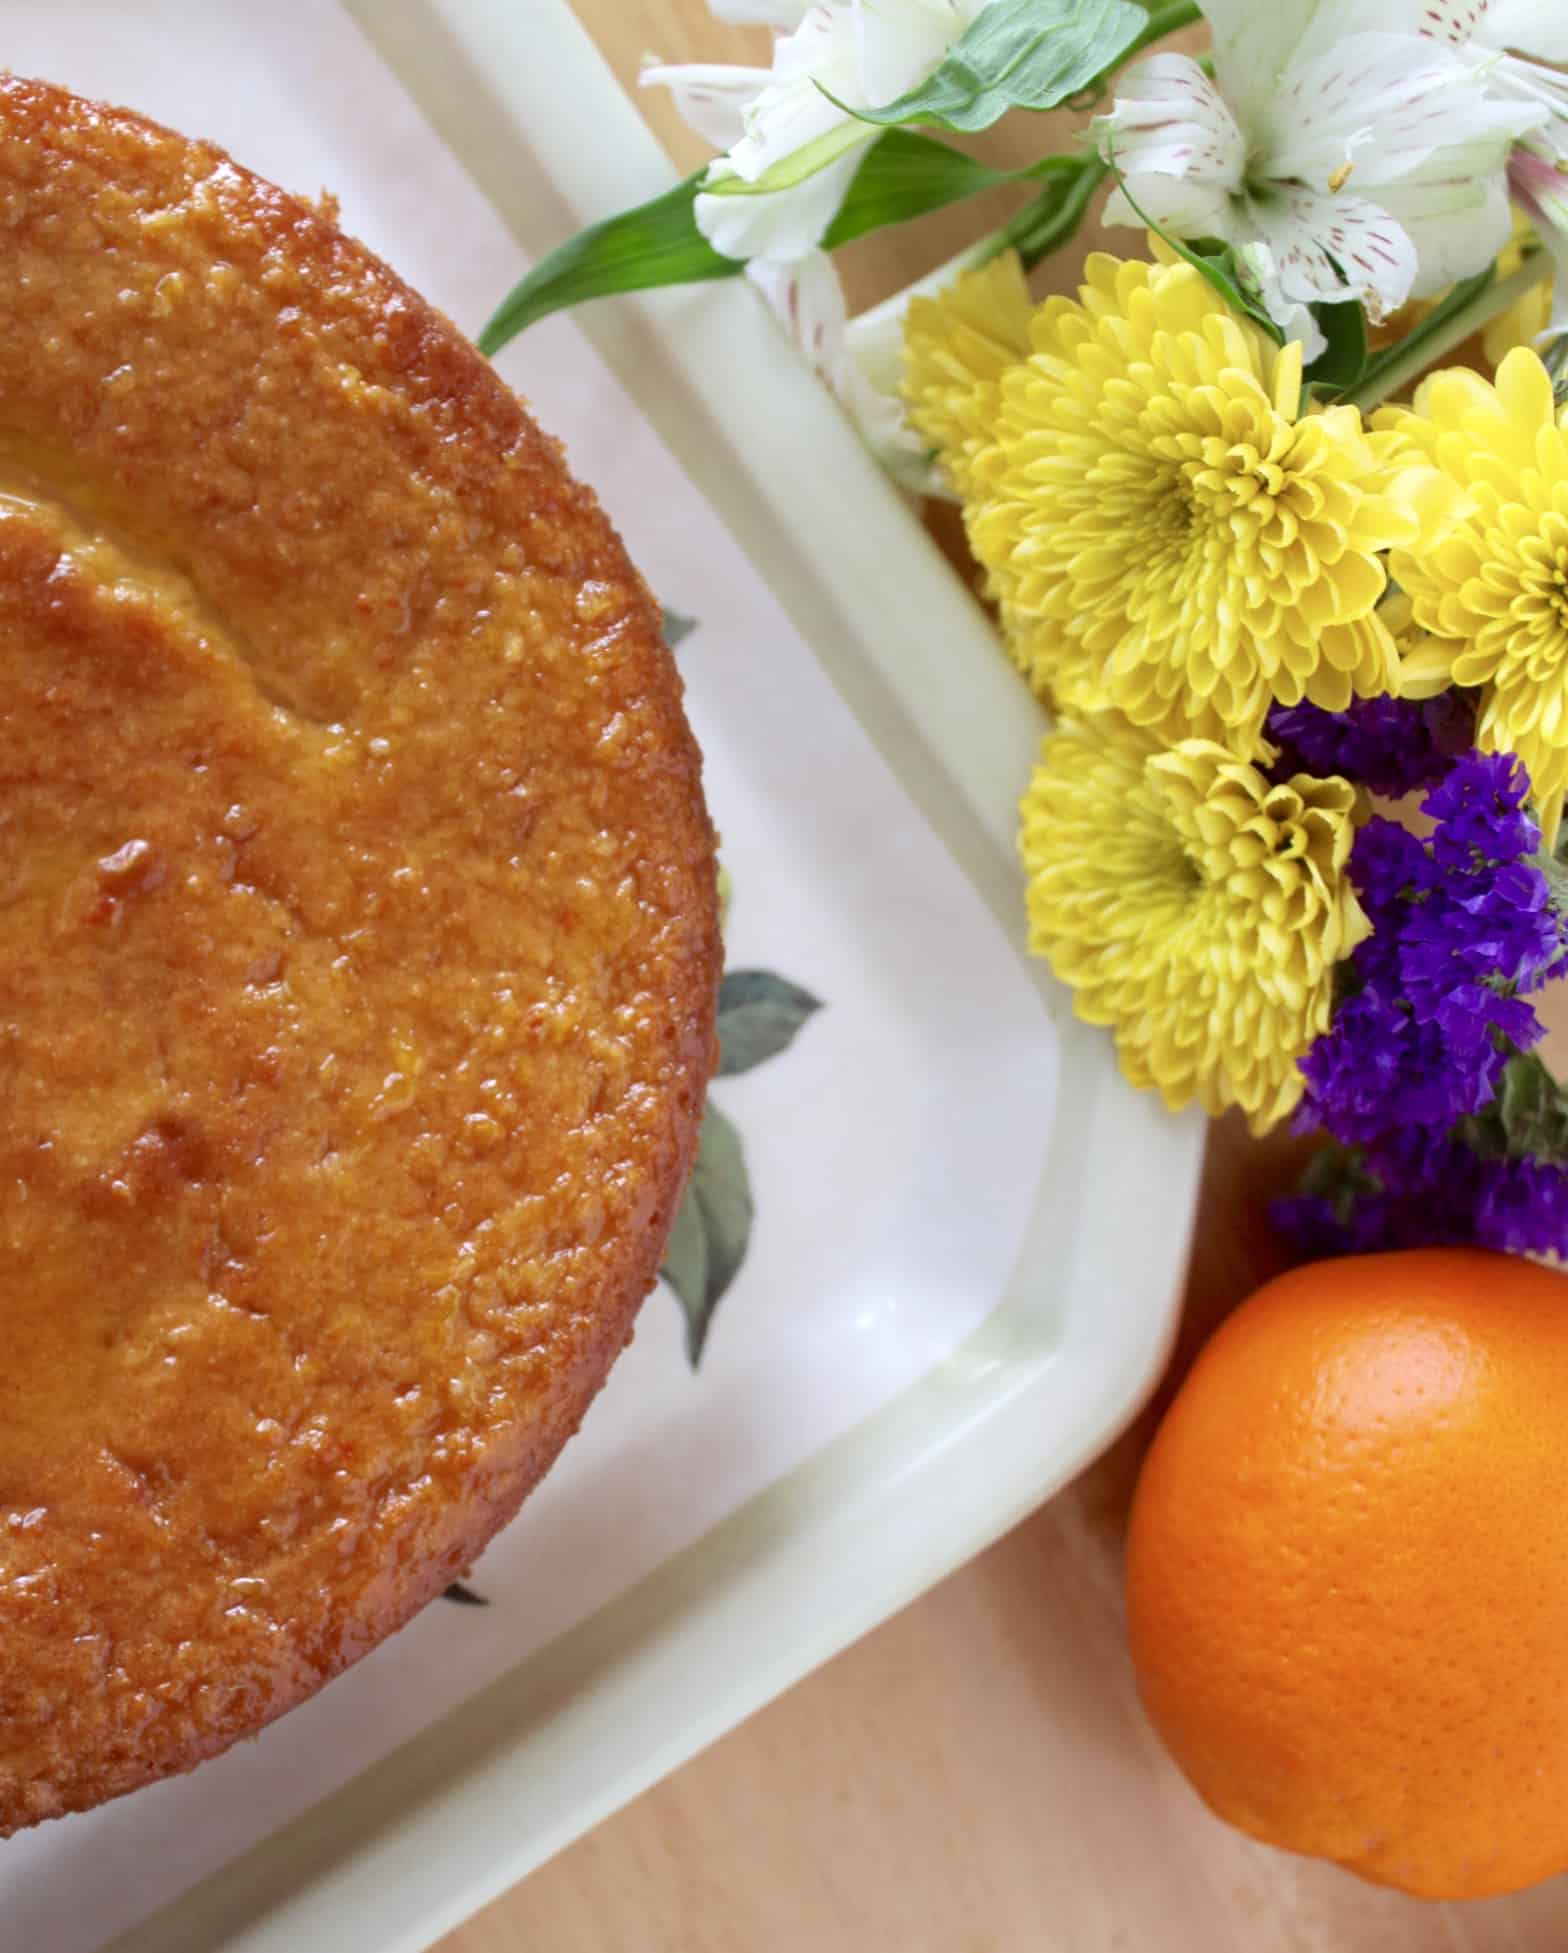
(1421, 1189)
(1479, 810)
(1378, 1062)
(1392, 746)
(1462, 925)
(1315, 1228)
(1390, 870)
(1522, 1207)
(1459, 943)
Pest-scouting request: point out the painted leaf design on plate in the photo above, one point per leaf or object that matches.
(712, 1230)
(760, 1013)
(677, 627)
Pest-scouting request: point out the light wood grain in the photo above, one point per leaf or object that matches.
(974, 1777)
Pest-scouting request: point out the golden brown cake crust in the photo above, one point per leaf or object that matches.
(357, 951)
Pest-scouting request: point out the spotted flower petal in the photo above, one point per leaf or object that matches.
(1192, 904)
(711, 97)
(1344, 159)
(1174, 138)
(1517, 46)
(807, 298)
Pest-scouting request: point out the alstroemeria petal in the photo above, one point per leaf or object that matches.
(1538, 27)
(1542, 89)
(1292, 316)
(1500, 37)
(900, 45)
(1256, 42)
(793, 110)
(794, 127)
(1175, 203)
(1253, 45)
(709, 97)
(780, 224)
(1456, 216)
(1312, 95)
(1376, 107)
(1170, 120)
(807, 299)
(1329, 248)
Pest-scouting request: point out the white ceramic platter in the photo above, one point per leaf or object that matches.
(970, 1234)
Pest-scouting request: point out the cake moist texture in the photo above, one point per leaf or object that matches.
(357, 951)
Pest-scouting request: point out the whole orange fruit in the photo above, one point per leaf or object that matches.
(1347, 1570)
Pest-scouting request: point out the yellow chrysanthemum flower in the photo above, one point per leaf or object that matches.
(1161, 525)
(1192, 905)
(956, 349)
(1492, 594)
(1065, 672)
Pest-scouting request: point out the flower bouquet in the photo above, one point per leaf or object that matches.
(1273, 516)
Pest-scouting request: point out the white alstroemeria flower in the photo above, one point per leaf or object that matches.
(1509, 41)
(865, 53)
(1341, 161)
(807, 298)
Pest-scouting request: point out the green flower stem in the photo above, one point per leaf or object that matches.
(1555, 870)
(1425, 352)
(793, 169)
(1046, 224)
(1528, 1118)
(1165, 20)
(1555, 359)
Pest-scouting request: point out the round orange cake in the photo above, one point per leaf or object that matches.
(357, 952)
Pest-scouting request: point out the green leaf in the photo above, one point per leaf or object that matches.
(1017, 54)
(1404, 356)
(677, 628)
(1341, 364)
(759, 1016)
(903, 175)
(1338, 1174)
(657, 243)
(1165, 20)
(1553, 864)
(1527, 1119)
(1554, 357)
(1035, 53)
(906, 174)
(1222, 268)
(712, 1230)
(1220, 265)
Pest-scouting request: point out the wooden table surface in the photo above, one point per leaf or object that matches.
(975, 1776)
